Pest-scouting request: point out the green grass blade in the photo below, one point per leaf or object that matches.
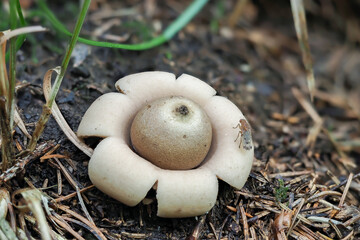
(169, 32)
(12, 66)
(7, 92)
(21, 39)
(20, 14)
(69, 51)
(40, 125)
(184, 18)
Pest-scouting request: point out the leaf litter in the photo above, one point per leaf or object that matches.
(305, 178)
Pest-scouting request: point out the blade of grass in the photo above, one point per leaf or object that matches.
(21, 39)
(47, 107)
(20, 14)
(12, 65)
(6, 135)
(4, 82)
(55, 111)
(169, 32)
(297, 7)
(7, 93)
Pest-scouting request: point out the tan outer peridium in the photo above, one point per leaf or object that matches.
(147, 86)
(109, 166)
(106, 117)
(186, 193)
(128, 179)
(226, 159)
(151, 86)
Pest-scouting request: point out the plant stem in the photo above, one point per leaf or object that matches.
(184, 18)
(40, 125)
(20, 40)
(70, 48)
(7, 92)
(12, 66)
(6, 135)
(6, 144)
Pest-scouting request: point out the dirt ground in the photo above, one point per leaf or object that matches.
(253, 58)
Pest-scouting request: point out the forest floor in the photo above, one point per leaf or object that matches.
(305, 175)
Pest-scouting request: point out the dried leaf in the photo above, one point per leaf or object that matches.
(59, 117)
(297, 7)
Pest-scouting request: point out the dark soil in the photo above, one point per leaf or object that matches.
(255, 61)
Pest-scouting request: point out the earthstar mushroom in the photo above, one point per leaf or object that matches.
(194, 125)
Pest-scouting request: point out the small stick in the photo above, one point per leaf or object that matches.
(344, 182)
(290, 174)
(71, 195)
(59, 180)
(245, 223)
(76, 187)
(346, 189)
(65, 225)
(82, 219)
